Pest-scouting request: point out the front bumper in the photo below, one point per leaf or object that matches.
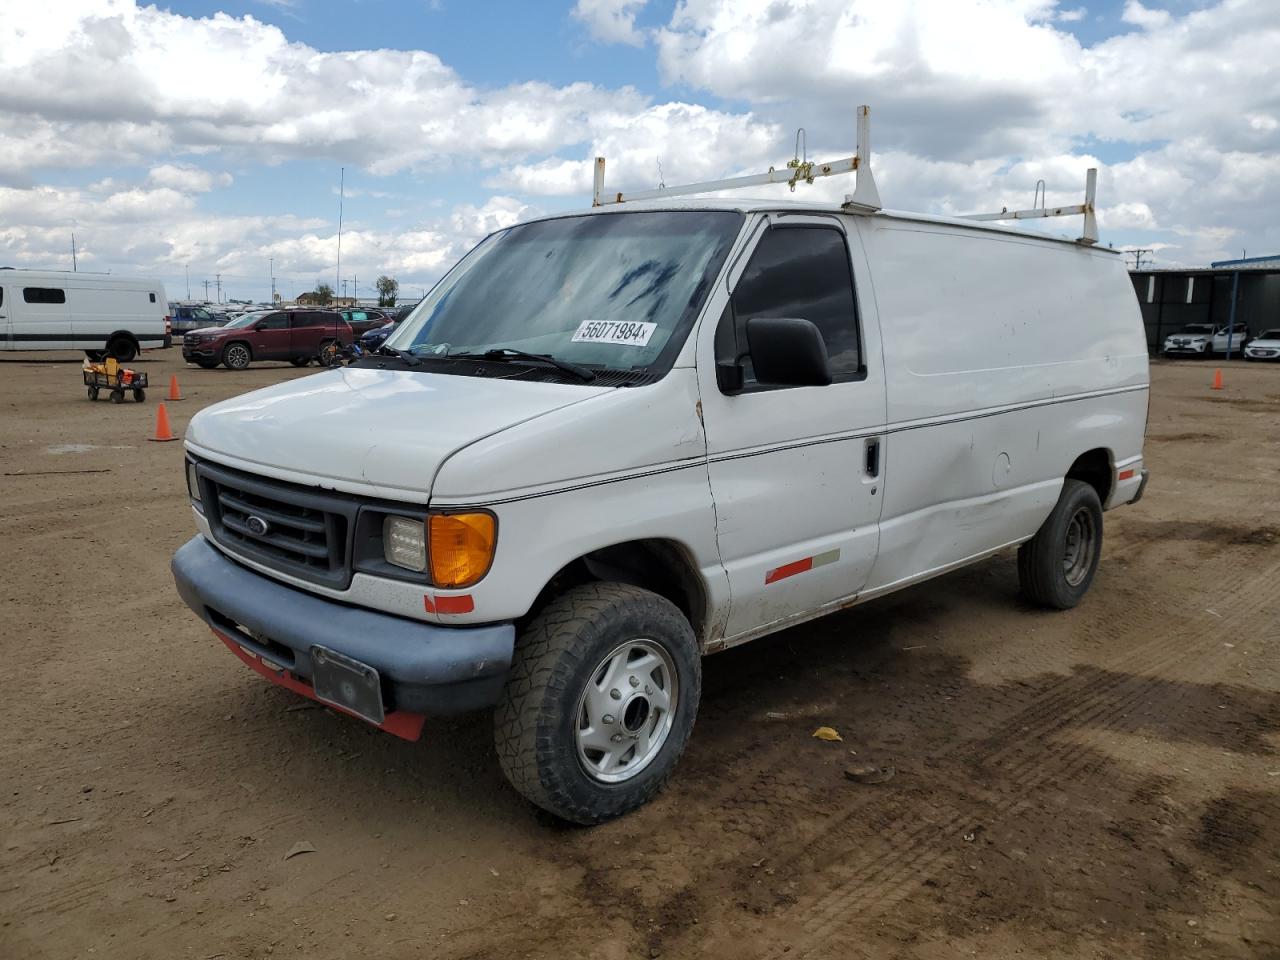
(425, 669)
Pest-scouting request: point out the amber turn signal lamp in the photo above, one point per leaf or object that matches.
(460, 547)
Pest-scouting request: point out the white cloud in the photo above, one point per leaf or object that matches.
(187, 178)
(1145, 17)
(1071, 16)
(611, 21)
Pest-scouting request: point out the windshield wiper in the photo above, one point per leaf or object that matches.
(509, 354)
(409, 359)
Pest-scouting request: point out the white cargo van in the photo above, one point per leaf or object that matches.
(95, 312)
(609, 443)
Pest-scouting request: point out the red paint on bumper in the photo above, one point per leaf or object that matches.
(406, 726)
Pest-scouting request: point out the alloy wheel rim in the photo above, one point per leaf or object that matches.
(238, 356)
(1081, 545)
(626, 711)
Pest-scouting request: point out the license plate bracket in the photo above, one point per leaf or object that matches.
(347, 683)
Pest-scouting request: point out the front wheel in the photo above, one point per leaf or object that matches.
(236, 356)
(1056, 566)
(600, 702)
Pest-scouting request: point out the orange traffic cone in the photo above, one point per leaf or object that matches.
(1217, 379)
(163, 432)
(174, 392)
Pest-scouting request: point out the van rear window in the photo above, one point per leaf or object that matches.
(44, 295)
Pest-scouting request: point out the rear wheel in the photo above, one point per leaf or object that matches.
(1056, 566)
(599, 703)
(236, 356)
(300, 361)
(122, 348)
(329, 351)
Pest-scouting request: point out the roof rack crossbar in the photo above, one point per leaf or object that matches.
(1089, 235)
(796, 171)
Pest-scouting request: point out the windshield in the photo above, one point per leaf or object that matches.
(616, 290)
(1200, 329)
(244, 320)
(1270, 335)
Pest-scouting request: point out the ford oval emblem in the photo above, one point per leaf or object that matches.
(257, 526)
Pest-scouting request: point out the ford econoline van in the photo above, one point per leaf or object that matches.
(94, 312)
(609, 443)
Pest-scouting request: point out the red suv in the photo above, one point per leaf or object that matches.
(298, 336)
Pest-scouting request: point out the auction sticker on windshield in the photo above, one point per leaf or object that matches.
(614, 331)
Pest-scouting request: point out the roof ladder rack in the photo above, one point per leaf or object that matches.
(864, 197)
(1090, 233)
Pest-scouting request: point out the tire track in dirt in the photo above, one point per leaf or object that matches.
(885, 871)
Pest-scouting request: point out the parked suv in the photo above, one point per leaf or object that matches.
(1203, 339)
(362, 321)
(298, 336)
(186, 317)
(373, 339)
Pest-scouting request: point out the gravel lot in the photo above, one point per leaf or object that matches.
(1098, 783)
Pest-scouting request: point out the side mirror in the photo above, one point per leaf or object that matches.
(787, 352)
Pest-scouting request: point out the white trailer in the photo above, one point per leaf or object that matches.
(94, 312)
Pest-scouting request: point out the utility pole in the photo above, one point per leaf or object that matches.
(1137, 256)
(271, 265)
(73, 252)
(206, 291)
(344, 289)
(218, 282)
(187, 267)
(355, 288)
(342, 181)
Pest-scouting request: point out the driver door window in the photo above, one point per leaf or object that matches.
(803, 272)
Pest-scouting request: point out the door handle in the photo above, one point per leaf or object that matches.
(873, 457)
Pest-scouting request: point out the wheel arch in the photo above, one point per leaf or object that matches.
(1096, 468)
(661, 565)
(123, 335)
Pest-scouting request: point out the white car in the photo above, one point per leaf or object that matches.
(1265, 347)
(1205, 339)
(609, 443)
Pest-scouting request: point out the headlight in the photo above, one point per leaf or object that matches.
(462, 546)
(193, 482)
(404, 543)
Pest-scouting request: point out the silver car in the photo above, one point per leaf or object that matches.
(1265, 347)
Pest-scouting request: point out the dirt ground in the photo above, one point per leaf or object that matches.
(1098, 783)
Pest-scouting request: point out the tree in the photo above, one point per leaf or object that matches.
(324, 294)
(388, 290)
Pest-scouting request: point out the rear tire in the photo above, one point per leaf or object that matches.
(329, 352)
(594, 646)
(122, 348)
(1056, 566)
(300, 361)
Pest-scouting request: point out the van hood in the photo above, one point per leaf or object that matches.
(364, 430)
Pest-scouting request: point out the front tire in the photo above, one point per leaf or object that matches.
(599, 703)
(236, 356)
(1056, 566)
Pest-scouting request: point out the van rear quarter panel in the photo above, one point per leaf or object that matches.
(1006, 357)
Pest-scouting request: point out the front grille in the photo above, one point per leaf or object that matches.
(285, 526)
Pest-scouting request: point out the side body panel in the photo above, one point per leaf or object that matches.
(1007, 358)
(796, 507)
(94, 307)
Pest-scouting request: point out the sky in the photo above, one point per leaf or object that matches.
(202, 139)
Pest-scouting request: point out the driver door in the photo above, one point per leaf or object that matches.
(796, 472)
(271, 337)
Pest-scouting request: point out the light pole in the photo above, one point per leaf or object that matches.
(187, 267)
(271, 265)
